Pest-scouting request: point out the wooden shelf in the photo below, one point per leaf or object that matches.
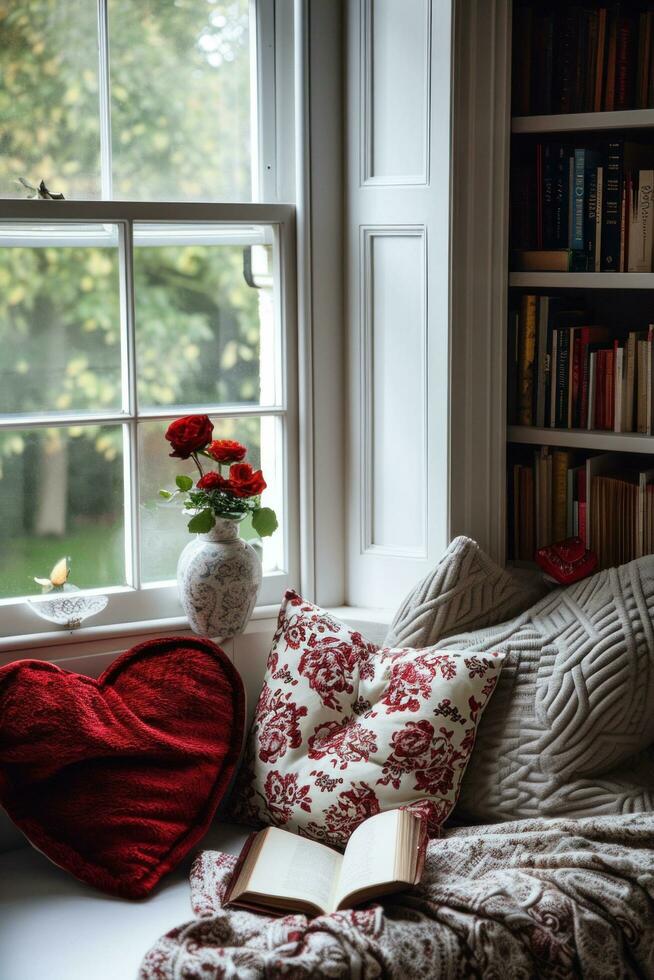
(586, 121)
(583, 280)
(622, 442)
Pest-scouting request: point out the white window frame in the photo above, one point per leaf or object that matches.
(138, 601)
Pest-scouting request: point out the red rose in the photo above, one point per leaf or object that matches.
(244, 481)
(226, 451)
(188, 434)
(212, 481)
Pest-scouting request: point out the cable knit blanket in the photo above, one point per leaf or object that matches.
(556, 898)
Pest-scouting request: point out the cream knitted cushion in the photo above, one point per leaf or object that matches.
(466, 590)
(570, 728)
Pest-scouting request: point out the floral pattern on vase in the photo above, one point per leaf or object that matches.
(219, 577)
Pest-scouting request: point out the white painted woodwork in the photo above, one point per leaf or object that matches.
(397, 293)
(319, 152)
(582, 280)
(395, 68)
(394, 388)
(623, 442)
(584, 121)
(480, 178)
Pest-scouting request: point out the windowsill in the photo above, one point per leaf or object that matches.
(361, 617)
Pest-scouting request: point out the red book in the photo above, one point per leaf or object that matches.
(587, 336)
(581, 497)
(600, 377)
(624, 63)
(609, 92)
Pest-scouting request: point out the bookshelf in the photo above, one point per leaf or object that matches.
(589, 122)
(582, 280)
(621, 301)
(621, 442)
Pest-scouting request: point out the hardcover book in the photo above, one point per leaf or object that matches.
(280, 872)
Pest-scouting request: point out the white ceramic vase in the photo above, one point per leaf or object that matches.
(219, 577)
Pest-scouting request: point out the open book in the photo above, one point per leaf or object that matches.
(280, 872)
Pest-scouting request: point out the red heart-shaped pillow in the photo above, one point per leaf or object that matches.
(116, 779)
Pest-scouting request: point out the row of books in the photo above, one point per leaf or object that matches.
(573, 58)
(566, 374)
(583, 209)
(608, 500)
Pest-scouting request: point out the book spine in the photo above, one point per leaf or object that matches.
(609, 92)
(539, 199)
(568, 59)
(641, 388)
(609, 398)
(611, 211)
(581, 496)
(541, 359)
(550, 164)
(562, 380)
(522, 47)
(618, 356)
(644, 45)
(561, 198)
(572, 334)
(601, 58)
(629, 383)
(592, 387)
(578, 239)
(590, 216)
(527, 352)
(598, 219)
(600, 389)
(584, 364)
(574, 409)
(648, 411)
(624, 64)
(579, 74)
(640, 222)
(560, 461)
(512, 368)
(591, 60)
(554, 374)
(624, 199)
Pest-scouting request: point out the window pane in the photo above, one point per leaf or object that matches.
(61, 493)
(205, 325)
(163, 525)
(180, 99)
(59, 327)
(49, 108)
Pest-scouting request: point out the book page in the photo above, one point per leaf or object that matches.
(371, 854)
(292, 867)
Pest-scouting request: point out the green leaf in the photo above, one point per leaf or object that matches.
(184, 482)
(264, 521)
(202, 522)
(166, 494)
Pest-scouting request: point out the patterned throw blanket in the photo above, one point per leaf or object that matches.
(552, 898)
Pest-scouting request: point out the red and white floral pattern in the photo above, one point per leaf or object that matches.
(344, 729)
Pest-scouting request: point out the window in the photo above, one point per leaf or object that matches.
(130, 303)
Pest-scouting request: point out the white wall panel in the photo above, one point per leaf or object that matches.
(395, 77)
(393, 390)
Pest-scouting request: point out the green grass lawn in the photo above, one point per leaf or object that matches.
(96, 560)
(96, 553)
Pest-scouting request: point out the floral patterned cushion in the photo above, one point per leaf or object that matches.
(344, 729)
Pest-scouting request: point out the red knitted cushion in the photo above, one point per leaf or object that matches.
(116, 779)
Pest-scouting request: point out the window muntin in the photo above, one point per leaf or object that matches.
(129, 440)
